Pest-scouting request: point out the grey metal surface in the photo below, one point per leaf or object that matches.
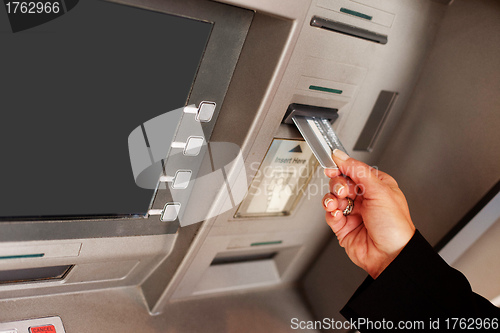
(123, 310)
(30, 325)
(211, 83)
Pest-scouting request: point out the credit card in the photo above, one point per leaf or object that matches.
(321, 137)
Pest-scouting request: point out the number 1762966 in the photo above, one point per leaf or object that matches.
(16, 7)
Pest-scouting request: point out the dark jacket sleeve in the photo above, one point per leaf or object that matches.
(418, 286)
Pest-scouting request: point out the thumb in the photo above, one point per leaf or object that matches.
(358, 171)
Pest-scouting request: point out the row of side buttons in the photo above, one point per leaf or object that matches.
(192, 147)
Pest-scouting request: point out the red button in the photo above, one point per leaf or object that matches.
(43, 329)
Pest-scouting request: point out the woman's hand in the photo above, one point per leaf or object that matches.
(379, 226)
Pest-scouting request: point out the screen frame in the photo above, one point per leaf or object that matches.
(230, 27)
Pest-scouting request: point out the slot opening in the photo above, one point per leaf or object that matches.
(243, 258)
(36, 274)
(348, 30)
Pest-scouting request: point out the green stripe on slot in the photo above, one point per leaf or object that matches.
(354, 13)
(22, 256)
(266, 243)
(324, 89)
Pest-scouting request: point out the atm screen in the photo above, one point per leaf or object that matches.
(72, 90)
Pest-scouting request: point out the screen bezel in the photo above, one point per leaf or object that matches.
(211, 83)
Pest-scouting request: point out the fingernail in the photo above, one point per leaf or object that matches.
(340, 155)
(327, 201)
(338, 189)
(336, 213)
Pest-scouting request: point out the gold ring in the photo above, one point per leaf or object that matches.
(350, 206)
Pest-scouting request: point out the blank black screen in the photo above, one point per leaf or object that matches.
(72, 90)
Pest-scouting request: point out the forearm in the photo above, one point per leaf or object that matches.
(418, 285)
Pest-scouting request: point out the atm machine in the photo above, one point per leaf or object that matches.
(151, 181)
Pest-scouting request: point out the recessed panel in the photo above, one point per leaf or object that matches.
(280, 181)
(34, 274)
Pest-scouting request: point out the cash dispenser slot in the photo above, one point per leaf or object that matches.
(248, 268)
(348, 29)
(242, 258)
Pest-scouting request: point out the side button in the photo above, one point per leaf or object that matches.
(181, 180)
(170, 212)
(205, 111)
(193, 145)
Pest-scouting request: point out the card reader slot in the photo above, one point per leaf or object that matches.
(314, 123)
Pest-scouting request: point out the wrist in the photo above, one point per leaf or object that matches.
(374, 272)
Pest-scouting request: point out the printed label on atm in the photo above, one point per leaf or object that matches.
(287, 164)
(291, 153)
(280, 180)
(43, 329)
